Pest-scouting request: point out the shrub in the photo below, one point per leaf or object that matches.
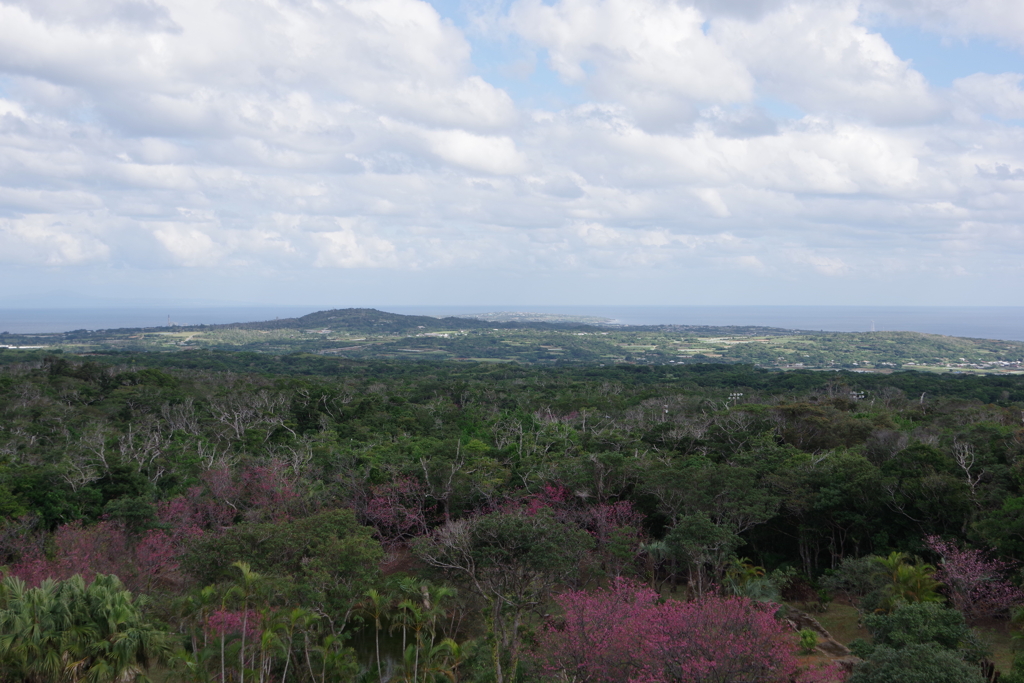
(855, 577)
(808, 641)
(915, 664)
(925, 623)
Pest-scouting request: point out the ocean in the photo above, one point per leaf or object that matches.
(39, 320)
(982, 322)
(985, 322)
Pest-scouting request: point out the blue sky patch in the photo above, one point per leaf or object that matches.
(943, 60)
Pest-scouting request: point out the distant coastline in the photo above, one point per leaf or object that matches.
(984, 322)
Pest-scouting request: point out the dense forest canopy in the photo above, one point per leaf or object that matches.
(271, 507)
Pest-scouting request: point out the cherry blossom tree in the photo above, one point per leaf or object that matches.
(975, 583)
(624, 635)
(397, 510)
(269, 491)
(102, 548)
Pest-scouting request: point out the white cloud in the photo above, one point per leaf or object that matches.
(12, 109)
(597, 235)
(217, 67)
(650, 54)
(826, 265)
(188, 245)
(487, 153)
(749, 262)
(997, 94)
(816, 56)
(46, 240)
(345, 248)
(662, 57)
(593, 244)
(771, 139)
(713, 199)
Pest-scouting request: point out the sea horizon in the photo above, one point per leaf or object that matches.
(981, 322)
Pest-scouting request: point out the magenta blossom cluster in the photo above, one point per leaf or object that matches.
(975, 583)
(625, 634)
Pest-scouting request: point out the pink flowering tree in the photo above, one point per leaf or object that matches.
(397, 510)
(155, 559)
(229, 623)
(181, 518)
(623, 635)
(213, 505)
(553, 497)
(257, 494)
(269, 492)
(102, 548)
(976, 584)
(98, 549)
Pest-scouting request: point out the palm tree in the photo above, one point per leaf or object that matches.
(246, 588)
(410, 588)
(442, 597)
(269, 642)
(375, 606)
(298, 618)
(915, 583)
(893, 561)
(195, 664)
(195, 610)
(73, 632)
(223, 635)
(412, 615)
(656, 553)
(909, 582)
(445, 659)
(32, 626)
(336, 660)
(434, 599)
(119, 645)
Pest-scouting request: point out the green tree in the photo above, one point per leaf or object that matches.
(1004, 528)
(856, 577)
(704, 548)
(330, 558)
(709, 506)
(513, 561)
(831, 499)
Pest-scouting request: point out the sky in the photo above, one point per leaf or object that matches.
(474, 152)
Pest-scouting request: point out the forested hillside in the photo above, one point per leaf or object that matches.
(286, 523)
(368, 334)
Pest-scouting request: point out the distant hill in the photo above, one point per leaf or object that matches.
(372, 321)
(366, 333)
(359, 320)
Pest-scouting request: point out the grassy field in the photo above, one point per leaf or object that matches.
(842, 621)
(998, 637)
